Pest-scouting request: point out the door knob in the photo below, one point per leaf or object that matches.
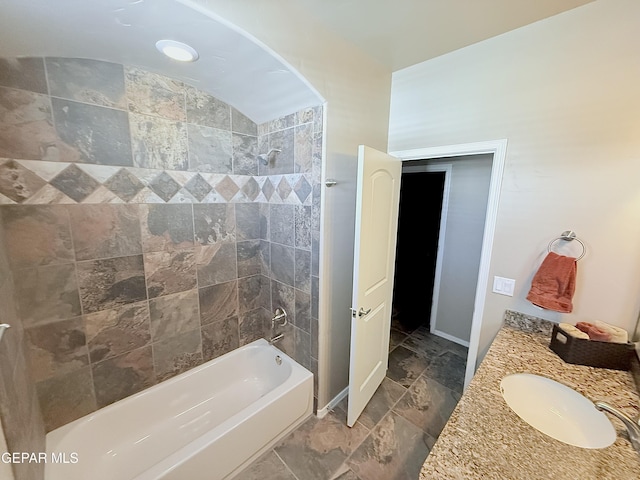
(361, 313)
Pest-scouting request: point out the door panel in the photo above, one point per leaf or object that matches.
(379, 217)
(378, 196)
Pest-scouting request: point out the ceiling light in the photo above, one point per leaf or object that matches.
(177, 50)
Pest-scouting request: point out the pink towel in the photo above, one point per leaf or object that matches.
(554, 283)
(594, 332)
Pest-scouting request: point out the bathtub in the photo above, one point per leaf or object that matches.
(207, 423)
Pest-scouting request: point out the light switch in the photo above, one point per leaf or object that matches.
(504, 286)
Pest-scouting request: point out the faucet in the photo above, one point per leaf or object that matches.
(280, 316)
(633, 428)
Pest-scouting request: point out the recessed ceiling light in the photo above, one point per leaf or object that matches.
(177, 50)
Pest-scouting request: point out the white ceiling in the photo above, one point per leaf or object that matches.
(231, 67)
(400, 33)
(397, 33)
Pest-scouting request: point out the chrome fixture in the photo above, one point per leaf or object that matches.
(279, 316)
(3, 327)
(330, 182)
(360, 313)
(267, 158)
(568, 236)
(633, 428)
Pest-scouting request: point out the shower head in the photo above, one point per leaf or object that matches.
(267, 158)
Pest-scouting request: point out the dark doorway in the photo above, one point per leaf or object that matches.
(417, 247)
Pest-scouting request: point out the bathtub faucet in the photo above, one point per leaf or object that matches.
(280, 316)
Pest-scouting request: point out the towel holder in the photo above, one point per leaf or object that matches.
(568, 236)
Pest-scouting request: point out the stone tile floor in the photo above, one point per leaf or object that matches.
(396, 431)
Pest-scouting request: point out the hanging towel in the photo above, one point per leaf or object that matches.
(554, 283)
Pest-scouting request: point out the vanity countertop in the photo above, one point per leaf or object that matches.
(485, 439)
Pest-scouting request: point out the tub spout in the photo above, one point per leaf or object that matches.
(277, 338)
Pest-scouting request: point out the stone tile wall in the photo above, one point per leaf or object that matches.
(19, 410)
(143, 235)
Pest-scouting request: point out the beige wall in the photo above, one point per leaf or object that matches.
(357, 92)
(564, 92)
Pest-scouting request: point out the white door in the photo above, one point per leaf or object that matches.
(378, 197)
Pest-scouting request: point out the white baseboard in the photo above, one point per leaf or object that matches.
(322, 412)
(446, 336)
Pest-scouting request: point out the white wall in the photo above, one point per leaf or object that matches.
(357, 92)
(564, 92)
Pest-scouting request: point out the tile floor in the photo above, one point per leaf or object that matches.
(394, 434)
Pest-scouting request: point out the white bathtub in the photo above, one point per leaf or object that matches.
(207, 423)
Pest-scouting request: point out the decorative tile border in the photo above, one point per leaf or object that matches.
(36, 182)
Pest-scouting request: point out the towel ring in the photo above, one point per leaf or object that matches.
(568, 236)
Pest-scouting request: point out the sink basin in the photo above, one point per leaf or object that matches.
(557, 410)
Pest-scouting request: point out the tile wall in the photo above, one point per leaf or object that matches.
(19, 410)
(143, 235)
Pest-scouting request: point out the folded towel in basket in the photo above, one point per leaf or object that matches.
(554, 283)
(594, 332)
(573, 331)
(618, 335)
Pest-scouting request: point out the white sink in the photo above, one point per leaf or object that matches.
(557, 410)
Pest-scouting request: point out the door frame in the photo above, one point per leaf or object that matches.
(447, 168)
(499, 149)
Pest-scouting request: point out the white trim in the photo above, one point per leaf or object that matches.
(322, 412)
(447, 336)
(324, 291)
(499, 150)
(447, 168)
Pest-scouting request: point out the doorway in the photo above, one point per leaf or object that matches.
(415, 274)
(444, 224)
(332, 366)
(497, 148)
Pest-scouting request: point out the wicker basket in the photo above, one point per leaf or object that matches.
(592, 353)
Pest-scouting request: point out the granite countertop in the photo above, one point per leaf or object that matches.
(485, 439)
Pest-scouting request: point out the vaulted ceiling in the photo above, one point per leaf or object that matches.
(397, 33)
